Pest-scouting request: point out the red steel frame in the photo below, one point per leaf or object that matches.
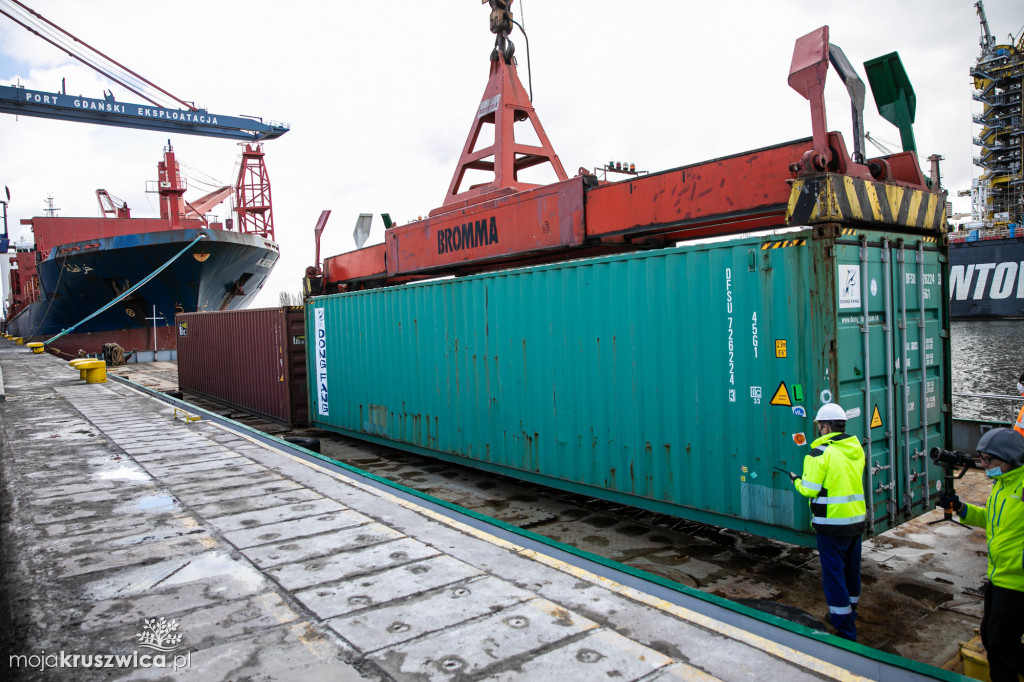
(505, 222)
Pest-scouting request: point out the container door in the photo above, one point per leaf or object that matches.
(890, 324)
(920, 371)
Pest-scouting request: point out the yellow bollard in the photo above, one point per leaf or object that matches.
(37, 347)
(18, 340)
(95, 371)
(75, 365)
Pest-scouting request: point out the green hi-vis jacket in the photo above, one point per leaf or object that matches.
(1003, 520)
(834, 480)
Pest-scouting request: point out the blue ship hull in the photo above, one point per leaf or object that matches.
(225, 271)
(986, 279)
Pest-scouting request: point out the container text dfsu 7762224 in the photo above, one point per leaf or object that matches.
(675, 380)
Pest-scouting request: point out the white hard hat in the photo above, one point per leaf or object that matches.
(830, 412)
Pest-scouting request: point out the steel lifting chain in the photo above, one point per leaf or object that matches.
(501, 26)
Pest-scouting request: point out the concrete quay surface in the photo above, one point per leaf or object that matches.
(130, 533)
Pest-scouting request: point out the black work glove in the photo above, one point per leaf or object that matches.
(950, 501)
(793, 476)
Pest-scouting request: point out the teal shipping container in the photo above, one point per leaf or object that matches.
(674, 380)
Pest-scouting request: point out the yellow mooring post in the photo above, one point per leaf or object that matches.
(95, 371)
(18, 340)
(37, 347)
(75, 365)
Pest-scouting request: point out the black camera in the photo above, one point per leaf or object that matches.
(953, 458)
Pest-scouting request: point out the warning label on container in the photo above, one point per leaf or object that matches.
(780, 348)
(321, 361)
(849, 286)
(781, 396)
(876, 418)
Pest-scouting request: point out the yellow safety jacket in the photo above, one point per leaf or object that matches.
(833, 478)
(1002, 517)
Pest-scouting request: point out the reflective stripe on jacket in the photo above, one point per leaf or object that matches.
(833, 478)
(1002, 517)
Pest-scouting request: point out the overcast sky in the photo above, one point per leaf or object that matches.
(381, 95)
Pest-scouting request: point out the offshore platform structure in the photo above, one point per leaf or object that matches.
(580, 335)
(998, 194)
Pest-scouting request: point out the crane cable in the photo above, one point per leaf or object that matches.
(94, 59)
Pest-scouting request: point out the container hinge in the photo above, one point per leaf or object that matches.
(878, 467)
(945, 407)
(943, 334)
(918, 454)
(885, 486)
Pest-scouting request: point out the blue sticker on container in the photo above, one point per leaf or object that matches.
(799, 411)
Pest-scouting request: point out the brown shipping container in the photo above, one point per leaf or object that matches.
(251, 360)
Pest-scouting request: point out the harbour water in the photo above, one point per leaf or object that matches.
(987, 359)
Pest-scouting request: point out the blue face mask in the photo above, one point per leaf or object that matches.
(994, 472)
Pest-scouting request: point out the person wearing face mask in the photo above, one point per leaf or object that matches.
(833, 477)
(1002, 517)
(1019, 425)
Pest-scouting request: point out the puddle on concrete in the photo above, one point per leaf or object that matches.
(123, 474)
(156, 502)
(213, 564)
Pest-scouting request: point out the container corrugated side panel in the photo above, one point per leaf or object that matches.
(645, 378)
(237, 358)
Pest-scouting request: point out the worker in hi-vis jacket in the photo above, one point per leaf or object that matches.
(1002, 517)
(833, 478)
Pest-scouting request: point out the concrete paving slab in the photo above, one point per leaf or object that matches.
(342, 566)
(499, 640)
(242, 467)
(251, 502)
(234, 480)
(309, 547)
(286, 512)
(601, 654)
(76, 544)
(286, 530)
(296, 651)
(212, 622)
(172, 467)
(339, 598)
(196, 498)
(134, 580)
(163, 459)
(136, 554)
(431, 611)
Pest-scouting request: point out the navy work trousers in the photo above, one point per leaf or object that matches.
(1001, 630)
(840, 576)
